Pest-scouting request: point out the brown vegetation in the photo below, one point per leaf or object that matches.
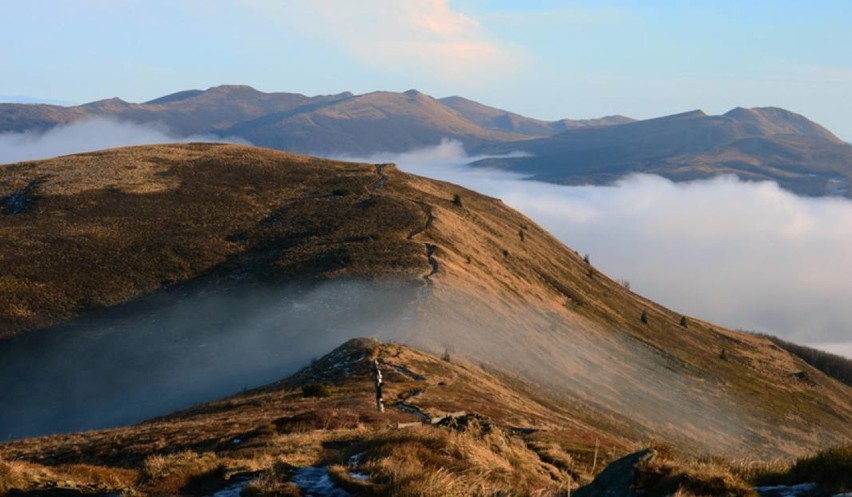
(830, 469)
(666, 475)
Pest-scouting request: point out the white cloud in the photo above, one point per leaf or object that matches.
(85, 136)
(744, 255)
(422, 38)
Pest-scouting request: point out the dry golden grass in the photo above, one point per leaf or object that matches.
(830, 469)
(666, 475)
(274, 483)
(428, 461)
(25, 476)
(13, 475)
(168, 474)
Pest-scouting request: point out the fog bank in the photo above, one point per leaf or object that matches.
(86, 136)
(175, 349)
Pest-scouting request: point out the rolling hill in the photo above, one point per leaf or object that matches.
(754, 144)
(181, 273)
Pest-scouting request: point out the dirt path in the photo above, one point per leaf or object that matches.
(402, 404)
(430, 249)
(430, 218)
(409, 373)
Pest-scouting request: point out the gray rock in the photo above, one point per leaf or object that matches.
(617, 479)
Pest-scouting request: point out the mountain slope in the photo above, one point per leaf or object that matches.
(501, 120)
(107, 237)
(754, 144)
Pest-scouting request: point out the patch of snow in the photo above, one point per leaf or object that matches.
(799, 490)
(231, 490)
(315, 482)
(356, 459)
(354, 462)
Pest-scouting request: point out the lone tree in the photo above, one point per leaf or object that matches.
(457, 200)
(683, 322)
(644, 317)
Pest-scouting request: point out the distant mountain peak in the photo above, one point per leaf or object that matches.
(692, 114)
(106, 104)
(174, 97)
(770, 121)
(232, 88)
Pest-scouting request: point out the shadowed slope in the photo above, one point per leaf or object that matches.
(501, 120)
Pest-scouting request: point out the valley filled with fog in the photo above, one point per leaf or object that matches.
(744, 255)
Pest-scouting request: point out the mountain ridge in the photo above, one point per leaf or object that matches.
(757, 144)
(246, 113)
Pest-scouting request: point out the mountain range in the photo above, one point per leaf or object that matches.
(758, 144)
(321, 125)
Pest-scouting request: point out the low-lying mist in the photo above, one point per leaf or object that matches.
(173, 350)
(745, 255)
(86, 136)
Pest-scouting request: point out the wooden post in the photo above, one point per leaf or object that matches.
(380, 406)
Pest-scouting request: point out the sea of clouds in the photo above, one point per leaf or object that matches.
(743, 254)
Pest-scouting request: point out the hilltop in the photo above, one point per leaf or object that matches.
(162, 268)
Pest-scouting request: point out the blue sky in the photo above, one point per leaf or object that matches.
(546, 59)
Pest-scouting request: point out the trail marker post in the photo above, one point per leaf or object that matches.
(380, 406)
